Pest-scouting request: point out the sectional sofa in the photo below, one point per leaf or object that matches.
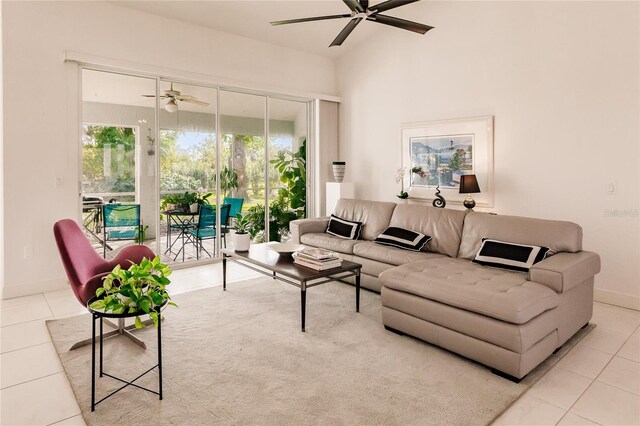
(508, 320)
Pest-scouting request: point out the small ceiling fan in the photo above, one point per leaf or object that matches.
(174, 96)
(361, 10)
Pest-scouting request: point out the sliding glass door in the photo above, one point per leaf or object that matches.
(218, 153)
(188, 150)
(118, 177)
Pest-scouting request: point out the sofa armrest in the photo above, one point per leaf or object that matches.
(306, 226)
(563, 271)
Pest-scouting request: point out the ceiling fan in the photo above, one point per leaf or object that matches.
(174, 96)
(361, 10)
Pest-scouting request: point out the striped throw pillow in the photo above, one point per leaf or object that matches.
(517, 257)
(402, 238)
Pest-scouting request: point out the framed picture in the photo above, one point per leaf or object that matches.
(437, 153)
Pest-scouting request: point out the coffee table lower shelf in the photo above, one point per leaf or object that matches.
(267, 262)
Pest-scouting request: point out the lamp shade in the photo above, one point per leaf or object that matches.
(171, 106)
(468, 184)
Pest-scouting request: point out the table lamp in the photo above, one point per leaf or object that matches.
(469, 185)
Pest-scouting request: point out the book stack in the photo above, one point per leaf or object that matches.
(317, 258)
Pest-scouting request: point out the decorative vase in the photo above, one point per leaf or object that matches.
(242, 242)
(338, 170)
(403, 201)
(193, 208)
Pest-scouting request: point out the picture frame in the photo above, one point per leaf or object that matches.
(439, 152)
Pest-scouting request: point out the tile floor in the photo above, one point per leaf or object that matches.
(598, 382)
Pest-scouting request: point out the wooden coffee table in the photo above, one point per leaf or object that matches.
(266, 261)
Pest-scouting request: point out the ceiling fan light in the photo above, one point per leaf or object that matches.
(171, 106)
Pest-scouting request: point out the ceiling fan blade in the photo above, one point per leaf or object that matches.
(195, 101)
(315, 18)
(153, 96)
(390, 4)
(400, 23)
(345, 32)
(354, 5)
(364, 4)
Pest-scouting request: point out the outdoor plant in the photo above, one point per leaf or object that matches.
(242, 223)
(228, 180)
(279, 217)
(171, 199)
(141, 234)
(189, 198)
(201, 197)
(141, 288)
(293, 174)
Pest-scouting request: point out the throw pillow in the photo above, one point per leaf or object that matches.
(517, 257)
(402, 238)
(344, 228)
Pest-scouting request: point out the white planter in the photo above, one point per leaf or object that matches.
(193, 208)
(403, 201)
(242, 242)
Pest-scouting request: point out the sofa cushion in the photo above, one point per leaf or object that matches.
(559, 236)
(444, 226)
(402, 239)
(374, 215)
(514, 337)
(501, 254)
(344, 228)
(496, 293)
(329, 242)
(389, 255)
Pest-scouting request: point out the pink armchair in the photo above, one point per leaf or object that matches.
(85, 269)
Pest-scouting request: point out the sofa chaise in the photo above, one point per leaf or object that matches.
(508, 320)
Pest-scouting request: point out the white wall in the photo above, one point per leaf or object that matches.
(561, 79)
(41, 133)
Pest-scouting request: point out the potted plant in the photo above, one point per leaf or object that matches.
(190, 201)
(403, 195)
(141, 288)
(202, 198)
(242, 240)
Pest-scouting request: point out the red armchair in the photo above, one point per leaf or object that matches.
(85, 269)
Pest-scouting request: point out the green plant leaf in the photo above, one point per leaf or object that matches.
(144, 305)
(156, 298)
(98, 304)
(139, 323)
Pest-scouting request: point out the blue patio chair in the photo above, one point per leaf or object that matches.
(120, 222)
(206, 228)
(236, 207)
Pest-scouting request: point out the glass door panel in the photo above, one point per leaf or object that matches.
(187, 172)
(118, 164)
(287, 171)
(243, 158)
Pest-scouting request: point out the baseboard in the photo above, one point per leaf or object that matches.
(28, 289)
(618, 299)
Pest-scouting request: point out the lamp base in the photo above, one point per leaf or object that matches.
(469, 203)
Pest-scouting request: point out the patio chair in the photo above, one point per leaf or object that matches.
(236, 207)
(120, 222)
(85, 269)
(206, 228)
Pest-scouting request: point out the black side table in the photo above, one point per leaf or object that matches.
(99, 315)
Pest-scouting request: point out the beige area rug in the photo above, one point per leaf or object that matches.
(238, 357)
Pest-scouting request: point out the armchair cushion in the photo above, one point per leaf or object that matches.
(565, 270)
